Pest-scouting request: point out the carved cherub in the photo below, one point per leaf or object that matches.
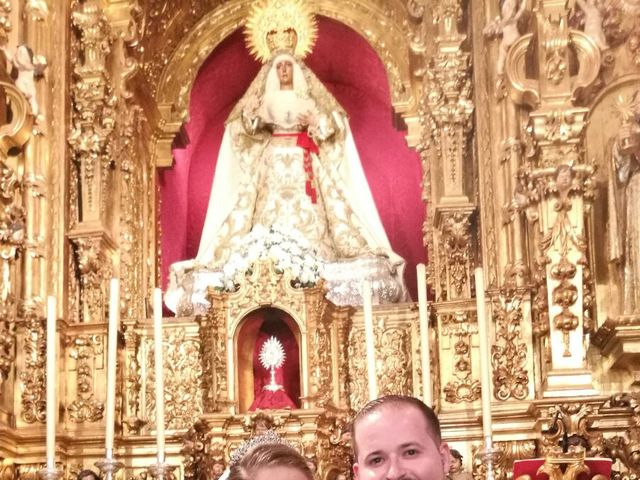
(25, 68)
(593, 22)
(506, 26)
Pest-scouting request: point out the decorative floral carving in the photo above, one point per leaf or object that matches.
(332, 451)
(183, 373)
(33, 400)
(205, 455)
(460, 326)
(393, 365)
(94, 269)
(12, 237)
(212, 333)
(93, 29)
(555, 49)
(509, 353)
(455, 253)
(135, 355)
(131, 226)
(84, 349)
(561, 241)
(624, 449)
(321, 386)
(572, 423)
(358, 393)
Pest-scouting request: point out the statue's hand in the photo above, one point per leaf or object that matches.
(308, 119)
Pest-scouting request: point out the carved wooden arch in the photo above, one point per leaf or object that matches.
(383, 30)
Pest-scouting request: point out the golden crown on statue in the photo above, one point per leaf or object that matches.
(276, 26)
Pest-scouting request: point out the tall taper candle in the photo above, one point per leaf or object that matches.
(485, 372)
(230, 372)
(52, 401)
(369, 339)
(112, 349)
(157, 336)
(423, 311)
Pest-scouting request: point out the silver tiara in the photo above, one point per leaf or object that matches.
(269, 437)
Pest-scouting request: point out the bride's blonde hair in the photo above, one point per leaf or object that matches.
(269, 455)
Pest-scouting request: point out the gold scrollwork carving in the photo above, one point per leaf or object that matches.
(394, 366)
(332, 451)
(94, 269)
(205, 455)
(320, 369)
(212, 333)
(29, 471)
(561, 243)
(624, 449)
(133, 367)
(509, 353)
(560, 465)
(460, 326)
(358, 393)
(94, 108)
(12, 232)
(571, 423)
(131, 230)
(183, 374)
(456, 240)
(33, 400)
(7, 470)
(83, 349)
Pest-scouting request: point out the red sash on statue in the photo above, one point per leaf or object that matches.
(304, 141)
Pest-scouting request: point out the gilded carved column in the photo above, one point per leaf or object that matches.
(91, 141)
(555, 186)
(447, 110)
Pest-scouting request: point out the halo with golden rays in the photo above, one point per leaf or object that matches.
(277, 17)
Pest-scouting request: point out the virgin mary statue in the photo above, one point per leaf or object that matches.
(289, 186)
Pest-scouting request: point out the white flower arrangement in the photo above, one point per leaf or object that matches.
(286, 247)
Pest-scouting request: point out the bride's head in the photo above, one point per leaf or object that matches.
(270, 461)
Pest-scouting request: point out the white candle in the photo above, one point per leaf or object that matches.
(369, 340)
(485, 369)
(423, 310)
(112, 349)
(52, 403)
(157, 335)
(230, 373)
(143, 378)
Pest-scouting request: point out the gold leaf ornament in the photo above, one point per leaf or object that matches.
(278, 26)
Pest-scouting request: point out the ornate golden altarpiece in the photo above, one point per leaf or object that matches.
(515, 173)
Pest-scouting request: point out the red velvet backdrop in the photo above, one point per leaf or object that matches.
(352, 71)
